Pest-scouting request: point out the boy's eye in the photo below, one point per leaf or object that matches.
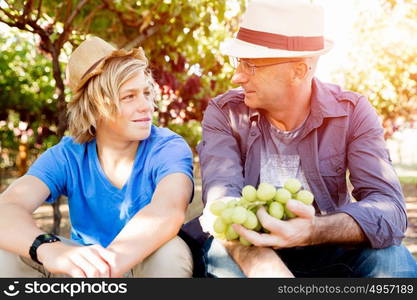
(128, 97)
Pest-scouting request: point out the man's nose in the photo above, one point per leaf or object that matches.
(240, 77)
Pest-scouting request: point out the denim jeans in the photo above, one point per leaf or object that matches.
(322, 261)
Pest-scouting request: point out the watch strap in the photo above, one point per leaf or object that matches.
(41, 239)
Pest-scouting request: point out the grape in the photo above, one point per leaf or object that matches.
(231, 234)
(227, 215)
(243, 203)
(219, 225)
(249, 193)
(220, 236)
(244, 241)
(217, 207)
(282, 195)
(255, 209)
(232, 203)
(265, 192)
(292, 185)
(276, 210)
(305, 196)
(258, 227)
(251, 221)
(240, 214)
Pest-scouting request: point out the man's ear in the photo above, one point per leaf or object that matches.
(301, 70)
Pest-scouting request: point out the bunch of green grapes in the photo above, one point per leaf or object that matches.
(243, 210)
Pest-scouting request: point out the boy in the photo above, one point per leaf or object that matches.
(128, 182)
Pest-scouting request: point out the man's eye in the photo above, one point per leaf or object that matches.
(147, 93)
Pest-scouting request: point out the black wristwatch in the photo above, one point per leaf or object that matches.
(41, 239)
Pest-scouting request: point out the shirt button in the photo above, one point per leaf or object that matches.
(253, 133)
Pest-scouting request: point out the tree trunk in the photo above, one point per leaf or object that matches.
(62, 126)
(57, 216)
(22, 158)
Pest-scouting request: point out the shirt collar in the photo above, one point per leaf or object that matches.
(324, 101)
(254, 115)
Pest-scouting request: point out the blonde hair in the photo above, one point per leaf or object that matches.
(99, 98)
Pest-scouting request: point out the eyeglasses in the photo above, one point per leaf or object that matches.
(249, 68)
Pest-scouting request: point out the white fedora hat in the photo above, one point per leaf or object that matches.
(279, 28)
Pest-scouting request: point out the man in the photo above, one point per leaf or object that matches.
(282, 123)
(128, 182)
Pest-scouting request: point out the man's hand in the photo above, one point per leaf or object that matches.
(283, 234)
(207, 218)
(77, 261)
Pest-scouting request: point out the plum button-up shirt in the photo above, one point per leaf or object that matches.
(342, 135)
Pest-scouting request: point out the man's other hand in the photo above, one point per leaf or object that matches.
(283, 234)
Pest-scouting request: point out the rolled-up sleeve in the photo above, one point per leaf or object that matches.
(220, 158)
(380, 207)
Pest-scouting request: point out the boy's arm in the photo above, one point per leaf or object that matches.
(18, 231)
(17, 227)
(153, 225)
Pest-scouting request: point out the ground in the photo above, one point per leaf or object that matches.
(410, 190)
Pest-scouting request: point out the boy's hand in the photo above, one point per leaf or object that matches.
(77, 261)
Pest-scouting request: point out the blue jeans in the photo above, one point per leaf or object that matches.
(322, 261)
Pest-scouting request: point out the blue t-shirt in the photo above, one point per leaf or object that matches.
(99, 210)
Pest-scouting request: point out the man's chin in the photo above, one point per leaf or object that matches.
(250, 102)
